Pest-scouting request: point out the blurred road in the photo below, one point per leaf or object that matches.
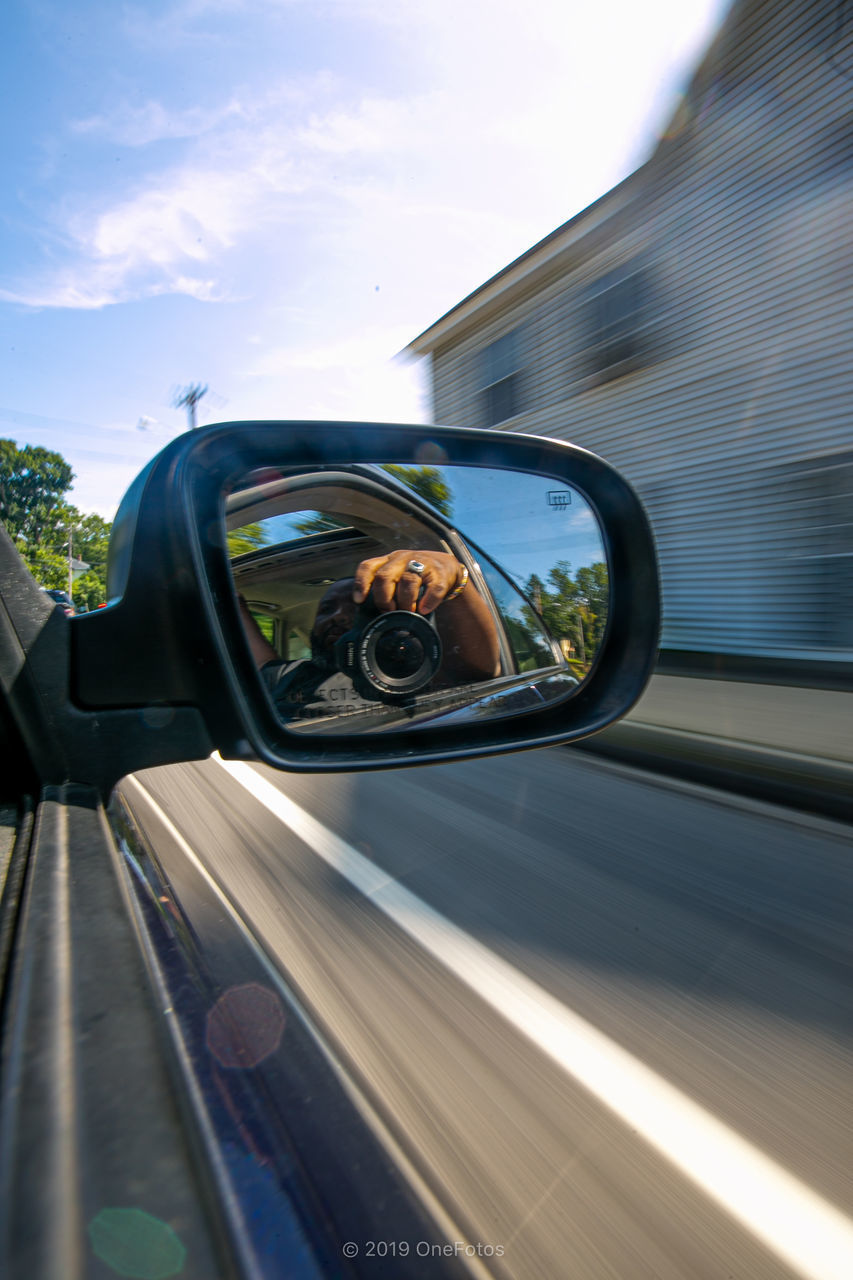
(707, 937)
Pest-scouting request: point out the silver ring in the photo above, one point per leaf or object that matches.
(415, 566)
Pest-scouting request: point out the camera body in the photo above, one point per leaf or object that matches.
(391, 656)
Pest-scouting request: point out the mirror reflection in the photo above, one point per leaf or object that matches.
(380, 597)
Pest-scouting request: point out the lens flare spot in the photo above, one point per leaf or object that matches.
(430, 452)
(245, 1025)
(134, 1243)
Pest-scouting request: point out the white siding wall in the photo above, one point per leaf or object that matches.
(745, 219)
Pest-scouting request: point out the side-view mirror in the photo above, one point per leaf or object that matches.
(343, 595)
(368, 607)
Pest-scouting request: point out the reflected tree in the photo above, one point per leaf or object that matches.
(318, 522)
(573, 607)
(428, 483)
(248, 538)
(593, 590)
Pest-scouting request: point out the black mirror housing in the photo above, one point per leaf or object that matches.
(172, 638)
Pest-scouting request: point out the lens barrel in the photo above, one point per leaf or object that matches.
(399, 653)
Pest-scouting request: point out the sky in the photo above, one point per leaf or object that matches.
(273, 197)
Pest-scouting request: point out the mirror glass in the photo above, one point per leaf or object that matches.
(388, 597)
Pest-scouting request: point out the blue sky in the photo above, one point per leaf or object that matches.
(274, 196)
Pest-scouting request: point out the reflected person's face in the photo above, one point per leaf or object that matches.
(335, 615)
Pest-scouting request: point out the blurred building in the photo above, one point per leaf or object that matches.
(694, 326)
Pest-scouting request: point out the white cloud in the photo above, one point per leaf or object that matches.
(378, 391)
(147, 244)
(492, 153)
(163, 227)
(358, 376)
(153, 122)
(324, 215)
(366, 347)
(102, 285)
(371, 126)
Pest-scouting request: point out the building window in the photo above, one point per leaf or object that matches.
(808, 578)
(615, 318)
(500, 379)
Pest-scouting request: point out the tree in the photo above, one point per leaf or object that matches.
(33, 482)
(427, 482)
(247, 538)
(559, 603)
(48, 560)
(90, 542)
(48, 567)
(593, 588)
(573, 608)
(319, 522)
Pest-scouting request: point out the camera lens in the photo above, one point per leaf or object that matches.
(399, 654)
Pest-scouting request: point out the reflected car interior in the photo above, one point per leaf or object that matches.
(362, 512)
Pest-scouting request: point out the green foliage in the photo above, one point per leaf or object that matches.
(49, 568)
(90, 542)
(33, 482)
(593, 589)
(428, 483)
(319, 522)
(248, 538)
(573, 608)
(266, 625)
(557, 605)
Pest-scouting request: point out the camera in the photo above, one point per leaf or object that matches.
(389, 655)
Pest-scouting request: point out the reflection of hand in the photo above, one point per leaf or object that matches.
(396, 587)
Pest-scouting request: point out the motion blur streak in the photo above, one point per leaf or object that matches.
(811, 1236)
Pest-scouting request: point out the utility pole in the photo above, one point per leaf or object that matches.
(187, 398)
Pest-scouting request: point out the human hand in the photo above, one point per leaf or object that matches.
(397, 587)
